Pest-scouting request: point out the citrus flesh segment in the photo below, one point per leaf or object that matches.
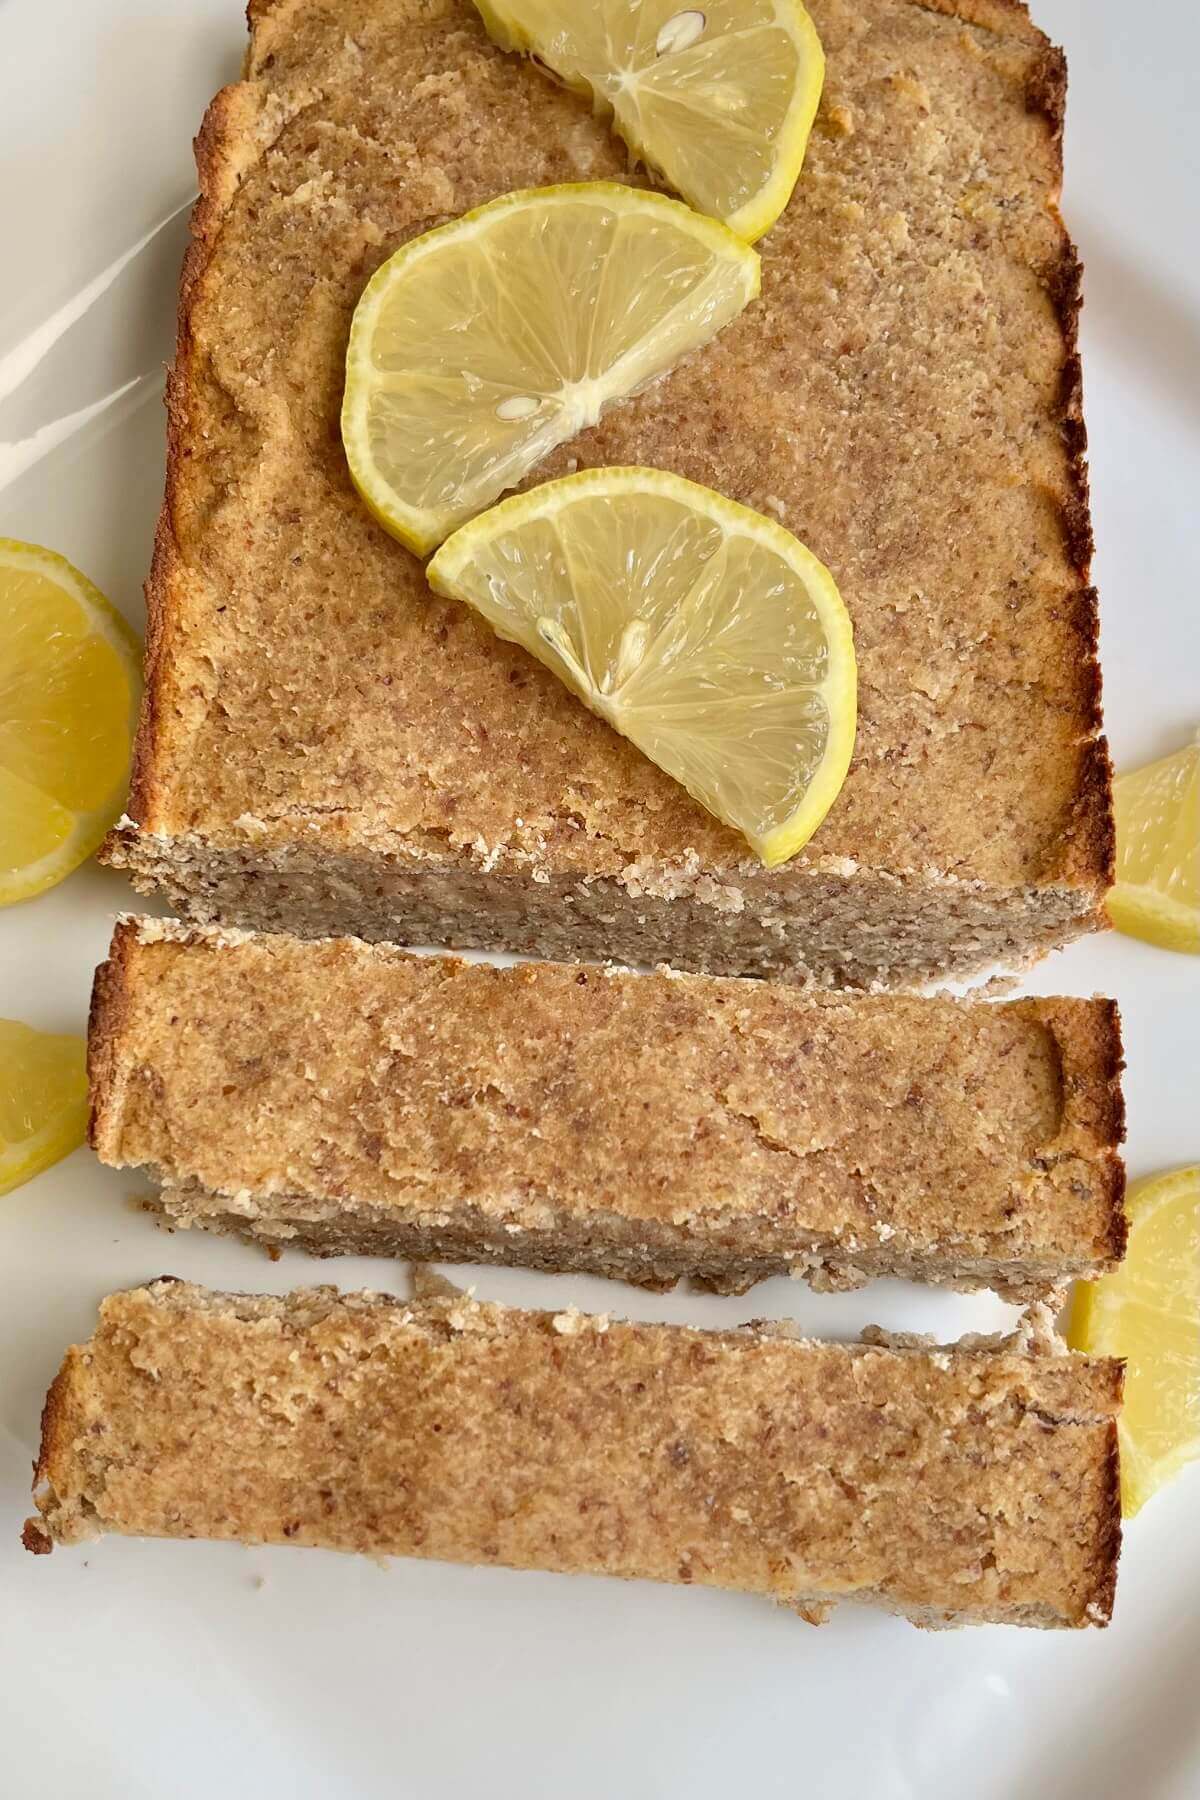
(1157, 891)
(480, 346)
(1148, 1311)
(702, 631)
(43, 1100)
(69, 684)
(718, 99)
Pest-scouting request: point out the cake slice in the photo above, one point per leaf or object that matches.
(350, 1097)
(328, 748)
(953, 1485)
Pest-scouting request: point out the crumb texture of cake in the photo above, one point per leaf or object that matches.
(953, 1485)
(326, 747)
(347, 1097)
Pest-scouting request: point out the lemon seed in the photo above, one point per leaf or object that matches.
(680, 32)
(517, 406)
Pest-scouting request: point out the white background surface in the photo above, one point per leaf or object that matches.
(137, 1669)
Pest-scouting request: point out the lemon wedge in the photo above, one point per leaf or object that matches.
(1157, 892)
(43, 1100)
(480, 346)
(719, 99)
(704, 632)
(69, 683)
(1148, 1311)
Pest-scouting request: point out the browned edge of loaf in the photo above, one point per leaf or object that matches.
(1091, 858)
(1087, 1037)
(56, 1435)
(107, 1015)
(1093, 834)
(61, 1427)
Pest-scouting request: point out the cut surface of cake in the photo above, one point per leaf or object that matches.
(326, 747)
(951, 1484)
(345, 1097)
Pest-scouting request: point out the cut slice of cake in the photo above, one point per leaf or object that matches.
(347, 1097)
(327, 747)
(954, 1485)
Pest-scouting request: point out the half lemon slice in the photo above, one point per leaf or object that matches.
(1157, 892)
(702, 631)
(480, 346)
(719, 98)
(43, 1100)
(69, 684)
(1148, 1311)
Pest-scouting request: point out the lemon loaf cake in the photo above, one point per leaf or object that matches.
(327, 747)
(954, 1485)
(347, 1097)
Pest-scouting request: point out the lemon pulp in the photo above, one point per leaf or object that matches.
(69, 682)
(43, 1100)
(1148, 1311)
(480, 346)
(719, 98)
(704, 632)
(1157, 891)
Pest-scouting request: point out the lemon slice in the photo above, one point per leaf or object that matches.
(705, 633)
(69, 683)
(480, 346)
(43, 1100)
(1148, 1311)
(1157, 894)
(719, 99)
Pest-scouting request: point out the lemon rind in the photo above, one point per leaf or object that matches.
(65, 1127)
(756, 215)
(422, 529)
(787, 839)
(1141, 908)
(91, 828)
(1093, 1327)
(1153, 918)
(56, 1139)
(111, 624)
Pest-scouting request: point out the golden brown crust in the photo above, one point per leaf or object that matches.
(220, 149)
(108, 1015)
(1091, 836)
(1010, 18)
(474, 1433)
(1112, 1127)
(358, 1099)
(1108, 1536)
(55, 1449)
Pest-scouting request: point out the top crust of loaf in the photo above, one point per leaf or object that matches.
(587, 804)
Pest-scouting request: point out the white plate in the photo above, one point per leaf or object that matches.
(133, 1669)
